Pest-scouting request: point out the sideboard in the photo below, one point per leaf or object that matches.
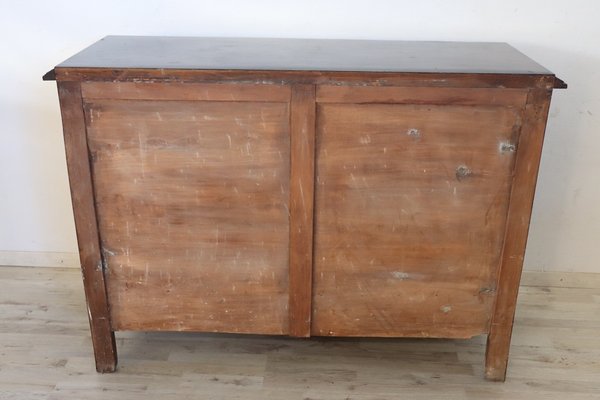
(302, 187)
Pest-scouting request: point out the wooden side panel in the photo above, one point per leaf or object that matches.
(302, 124)
(192, 200)
(519, 215)
(411, 203)
(82, 196)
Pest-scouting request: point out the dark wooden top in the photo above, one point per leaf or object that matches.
(302, 54)
(158, 53)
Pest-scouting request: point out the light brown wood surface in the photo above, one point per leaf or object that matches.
(45, 349)
(403, 245)
(192, 201)
(421, 95)
(185, 91)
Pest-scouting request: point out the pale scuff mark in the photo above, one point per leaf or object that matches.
(263, 122)
(366, 139)
(400, 275)
(302, 196)
(142, 150)
(446, 309)
(287, 210)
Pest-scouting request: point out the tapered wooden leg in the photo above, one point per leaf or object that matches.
(105, 350)
(88, 239)
(496, 354)
(517, 227)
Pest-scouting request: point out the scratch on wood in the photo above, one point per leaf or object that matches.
(108, 252)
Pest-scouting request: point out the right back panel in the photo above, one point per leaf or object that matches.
(410, 209)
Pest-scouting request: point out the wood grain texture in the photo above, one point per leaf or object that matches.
(192, 199)
(410, 79)
(187, 91)
(519, 215)
(404, 244)
(302, 125)
(82, 198)
(421, 95)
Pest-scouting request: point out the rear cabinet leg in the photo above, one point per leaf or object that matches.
(88, 239)
(496, 355)
(517, 228)
(105, 347)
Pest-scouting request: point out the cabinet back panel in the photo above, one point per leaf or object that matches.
(192, 202)
(411, 204)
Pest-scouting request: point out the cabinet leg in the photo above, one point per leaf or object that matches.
(517, 226)
(496, 355)
(105, 350)
(88, 239)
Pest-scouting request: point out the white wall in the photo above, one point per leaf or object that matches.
(35, 210)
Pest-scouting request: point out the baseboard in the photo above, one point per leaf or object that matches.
(583, 280)
(39, 259)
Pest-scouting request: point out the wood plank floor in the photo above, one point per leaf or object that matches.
(45, 353)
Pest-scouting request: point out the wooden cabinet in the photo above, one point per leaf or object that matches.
(302, 187)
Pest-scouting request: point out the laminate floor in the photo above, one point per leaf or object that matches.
(45, 353)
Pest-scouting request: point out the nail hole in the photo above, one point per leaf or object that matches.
(462, 171)
(504, 146)
(414, 133)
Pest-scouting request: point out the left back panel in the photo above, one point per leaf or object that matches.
(191, 183)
